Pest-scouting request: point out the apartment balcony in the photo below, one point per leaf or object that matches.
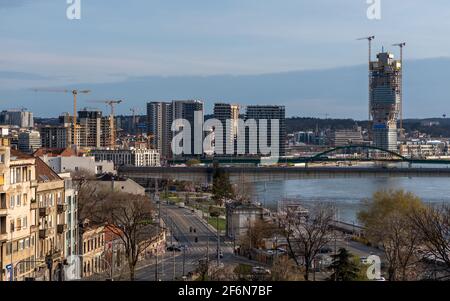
(62, 228)
(44, 211)
(3, 237)
(45, 233)
(33, 204)
(62, 208)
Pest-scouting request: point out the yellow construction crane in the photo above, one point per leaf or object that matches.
(74, 92)
(112, 104)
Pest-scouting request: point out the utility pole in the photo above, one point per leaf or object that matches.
(218, 241)
(159, 224)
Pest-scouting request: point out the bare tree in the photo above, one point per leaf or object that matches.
(128, 216)
(306, 235)
(433, 225)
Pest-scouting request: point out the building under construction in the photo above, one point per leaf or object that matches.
(385, 99)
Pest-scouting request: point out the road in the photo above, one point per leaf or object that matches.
(181, 221)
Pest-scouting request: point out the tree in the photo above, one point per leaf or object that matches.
(306, 235)
(285, 269)
(433, 225)
(387, 225)
(222, 189)
(128, 216)
(256, 232)
(343, 266)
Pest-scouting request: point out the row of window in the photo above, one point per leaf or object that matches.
(48, 199)
(19, 245)
(93, 244)
(18, 224)
(18, 200)
(19, 174)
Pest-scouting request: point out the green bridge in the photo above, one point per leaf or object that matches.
(388, 156)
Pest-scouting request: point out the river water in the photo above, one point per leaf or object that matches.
(348, 194)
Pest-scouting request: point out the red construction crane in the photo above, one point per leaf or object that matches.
(74, 92)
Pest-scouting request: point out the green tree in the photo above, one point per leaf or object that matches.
(343, 266)
(387, 225)
(222, 188)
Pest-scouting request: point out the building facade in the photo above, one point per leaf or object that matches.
(128, 157)
(29, 141)
(268, 113)
(159, 121)
(17, 223)
(58, 136)
(227, 114)
(20, 118)
(50, 214)
(385, 100)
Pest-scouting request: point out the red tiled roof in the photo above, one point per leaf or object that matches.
(44, 173)
(55, 152)
(19, 155)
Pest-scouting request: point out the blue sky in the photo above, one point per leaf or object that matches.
(117, 39)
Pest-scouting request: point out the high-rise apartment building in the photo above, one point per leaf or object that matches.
(160, 117)
(93, 131)
(159, 121)
(273, 114)
(20, 118)
(385, 100)
(55, 136)
(29, 141)
(227, 114)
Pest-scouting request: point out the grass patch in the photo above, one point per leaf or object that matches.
(213, 222)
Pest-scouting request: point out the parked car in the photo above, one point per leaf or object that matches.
(325, 250)
(260, 270)
(173, 248)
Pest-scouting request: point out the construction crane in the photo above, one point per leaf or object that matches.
(369, 39)
(74, 92)
(401, 45)
(112, 104)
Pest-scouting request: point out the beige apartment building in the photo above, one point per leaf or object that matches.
(17, 224)
(49, 212)
(92, 249)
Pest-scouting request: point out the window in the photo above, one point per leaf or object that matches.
(19, 224)
(25, 199)
(21, 244)
(19, 200)
(11, 202)
(25, 222)
(27, 242)
(11, 226)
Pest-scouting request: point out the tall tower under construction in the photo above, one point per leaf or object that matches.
(385, 99)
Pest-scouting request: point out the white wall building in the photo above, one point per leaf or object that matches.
(74, 163)
(130, 157)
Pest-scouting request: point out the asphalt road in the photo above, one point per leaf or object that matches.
(185, 227)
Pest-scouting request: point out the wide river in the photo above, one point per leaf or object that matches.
(348, 194)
